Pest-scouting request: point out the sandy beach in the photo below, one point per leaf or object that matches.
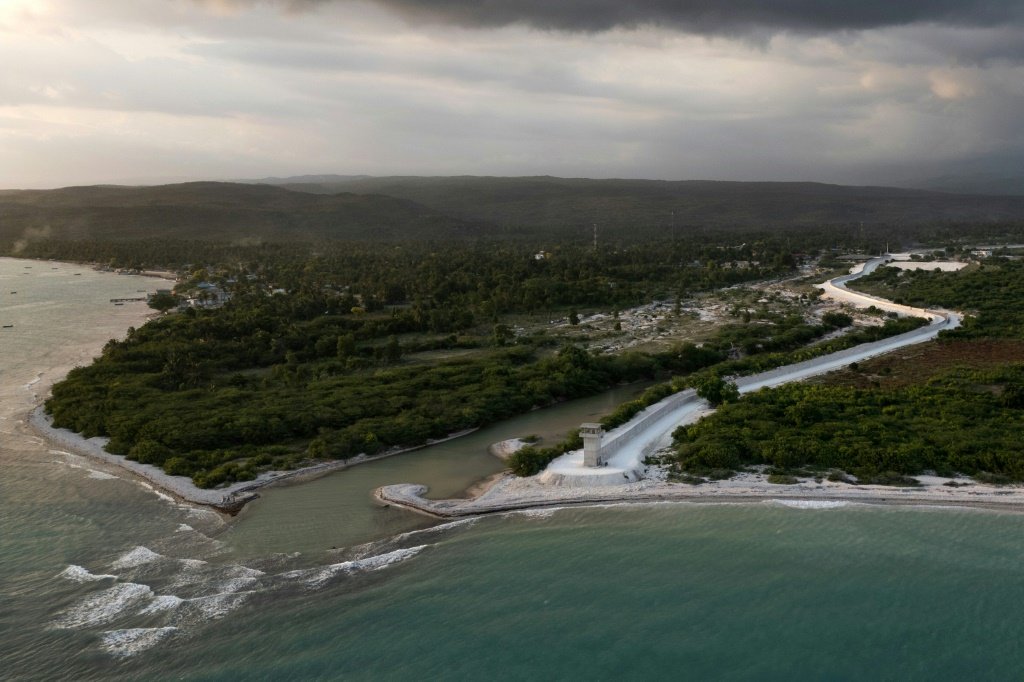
(229, 499)
(510, 493)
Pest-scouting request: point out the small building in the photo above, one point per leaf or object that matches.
(591, 434)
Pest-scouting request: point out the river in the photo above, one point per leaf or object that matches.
(103, 578)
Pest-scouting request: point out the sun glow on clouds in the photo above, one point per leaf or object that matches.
(947, 84)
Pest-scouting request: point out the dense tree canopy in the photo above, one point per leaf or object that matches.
(957, 421)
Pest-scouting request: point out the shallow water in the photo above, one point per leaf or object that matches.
(101, 578)
(338, 510)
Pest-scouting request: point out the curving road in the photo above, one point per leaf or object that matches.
(652, 429)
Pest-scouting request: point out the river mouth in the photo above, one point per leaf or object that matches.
(339, 509)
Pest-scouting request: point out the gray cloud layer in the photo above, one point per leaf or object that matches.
(711, 16)
(136, 90)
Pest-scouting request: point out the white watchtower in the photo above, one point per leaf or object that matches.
(591, 434)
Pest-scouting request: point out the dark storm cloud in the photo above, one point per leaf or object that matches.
(967, 45)
(709, 16)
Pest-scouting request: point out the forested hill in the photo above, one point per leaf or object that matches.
(541, 203)
(215, 211)
(545, 208)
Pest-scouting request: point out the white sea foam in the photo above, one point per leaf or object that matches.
(379, 546)
(125, 643)
(540, 513)
(201, 512)
(811, 504)
(237, 583)
(161, 603)
(158, 493)
(318, 577)
(211, 607)
(103, 606)
(136, 557)
(438, 529)
(79, 574)
(100, 475)
(184, 528)
(221, 578)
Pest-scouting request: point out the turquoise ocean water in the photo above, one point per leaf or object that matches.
(102, 578)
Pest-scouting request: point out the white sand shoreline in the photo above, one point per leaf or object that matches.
(229, 499)
(510, 493)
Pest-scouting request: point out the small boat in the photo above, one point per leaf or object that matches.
(8, 326)
(78, 274)
(14, 292)
(119, 304)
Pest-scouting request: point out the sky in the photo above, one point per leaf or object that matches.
(907, 92)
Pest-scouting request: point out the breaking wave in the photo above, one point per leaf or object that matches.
(103, 606)
(125, 643)
(212, 607)
(320, 576)
(136, 557)
(468, 521)
(186, 593)
(200, 574)
(79, 574)
(161, 603)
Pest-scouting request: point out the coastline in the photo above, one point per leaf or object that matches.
(509, 493)
(503, 492)
(578, 485)
(229, 499)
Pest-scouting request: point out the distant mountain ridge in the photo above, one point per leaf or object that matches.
(386, 208)
(547, 202)
(215, 211)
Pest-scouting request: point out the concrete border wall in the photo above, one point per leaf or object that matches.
(623, 435)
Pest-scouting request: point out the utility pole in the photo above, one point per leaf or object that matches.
(595, 237)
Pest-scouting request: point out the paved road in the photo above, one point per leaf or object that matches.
(627, 462)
